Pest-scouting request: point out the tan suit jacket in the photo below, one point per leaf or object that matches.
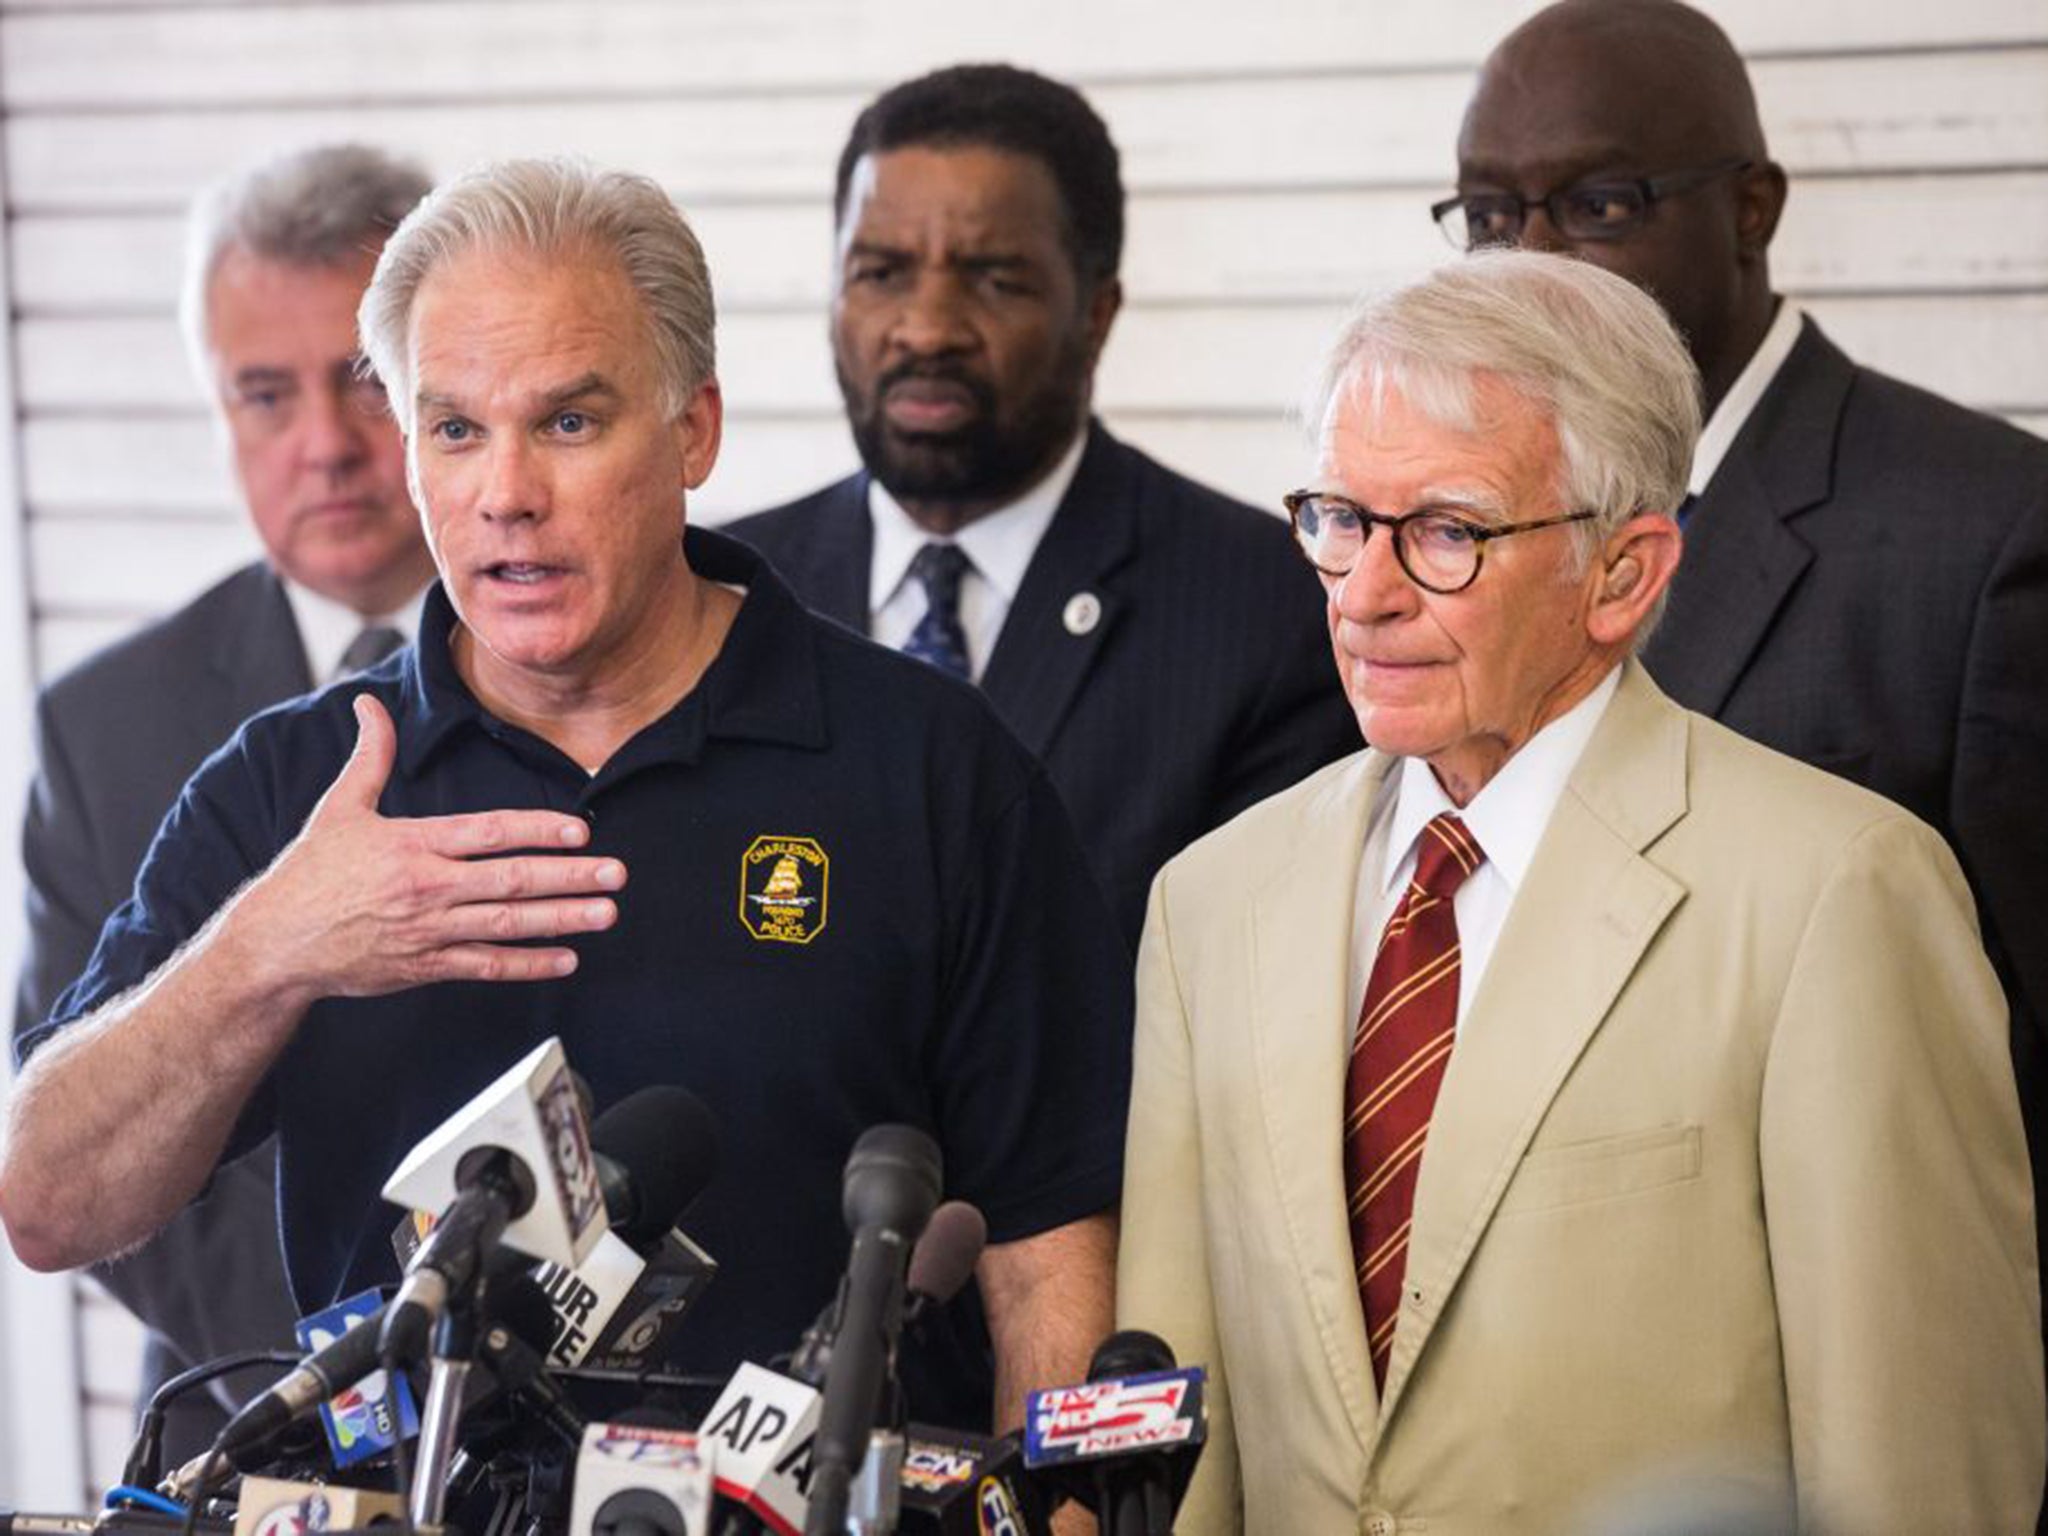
(1726, 1175)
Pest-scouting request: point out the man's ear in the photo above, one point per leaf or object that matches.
(1635, 566)
(1759, 204)
(699, 430)
(1103, 304)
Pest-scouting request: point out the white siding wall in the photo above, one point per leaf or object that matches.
(1279, 158)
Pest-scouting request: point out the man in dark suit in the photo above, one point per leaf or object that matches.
(1865, 580)
(277, 261)
(1155, 643)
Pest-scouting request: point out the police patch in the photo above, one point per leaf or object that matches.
(783, 884)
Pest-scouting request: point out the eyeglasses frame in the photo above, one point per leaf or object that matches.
(1652, 190)
(1482, 535)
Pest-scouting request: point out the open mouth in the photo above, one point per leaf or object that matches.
(521, 573)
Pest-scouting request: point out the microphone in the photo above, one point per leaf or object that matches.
(268, 1506)
(891, 1186)
(512, 1166)
(1126, 1443)
(634, 1480)
(346, 1339)
(521, 1323)
(761, 1429)
(656, 1151)
(956, 1484)
(943, 1261)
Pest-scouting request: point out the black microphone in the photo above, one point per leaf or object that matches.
(324, 1374)
(657, 1150)
(1126, 1443)
(891, 1186)
(520, 1327)
(494, 1187)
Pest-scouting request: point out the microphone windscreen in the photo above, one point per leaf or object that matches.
(666, 1140)
(945, 1255)
(1133, 1352)
(893, 1178)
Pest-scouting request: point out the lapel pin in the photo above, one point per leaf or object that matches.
(1082, 613)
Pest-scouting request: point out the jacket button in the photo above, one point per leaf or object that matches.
(1377, 1522)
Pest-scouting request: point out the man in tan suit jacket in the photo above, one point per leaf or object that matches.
(1724, 1177)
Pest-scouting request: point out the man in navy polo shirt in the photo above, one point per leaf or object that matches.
(715, 841)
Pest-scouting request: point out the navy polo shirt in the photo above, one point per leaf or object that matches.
(852, 898)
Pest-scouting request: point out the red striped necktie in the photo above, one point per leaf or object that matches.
(1398, 1057)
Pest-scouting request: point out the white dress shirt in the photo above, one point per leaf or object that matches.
(328, 628)
(1749, 386)
(999, 547)
(1506, 818)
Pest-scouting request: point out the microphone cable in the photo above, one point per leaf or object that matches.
(144, 1467)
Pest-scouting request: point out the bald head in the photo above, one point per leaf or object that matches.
(1629, 90)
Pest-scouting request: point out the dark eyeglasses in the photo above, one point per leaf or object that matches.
(1586, 210)
(1440, 551)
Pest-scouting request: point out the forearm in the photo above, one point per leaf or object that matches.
(1050, 1302)
(118, 1121)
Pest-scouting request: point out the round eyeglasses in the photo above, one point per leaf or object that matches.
(1602, 209)
(1440, 551)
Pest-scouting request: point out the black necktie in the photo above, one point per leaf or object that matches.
(938, 638)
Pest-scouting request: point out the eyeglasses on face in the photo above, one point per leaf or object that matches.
(1440, 551)
(1602, 209)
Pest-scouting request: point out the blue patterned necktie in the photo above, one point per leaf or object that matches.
(938, 638)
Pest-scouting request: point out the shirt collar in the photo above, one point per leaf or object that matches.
(1000, 544)
(762, 685)
(328, 628)
(1718, 436)
(1507, 817)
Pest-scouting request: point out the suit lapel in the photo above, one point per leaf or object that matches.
(259, 657)
(832, 574)
(1585, 913)
(1741, 559)
(1300, 946)
(1049, 640)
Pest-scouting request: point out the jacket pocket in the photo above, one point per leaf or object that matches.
(1602, 1169)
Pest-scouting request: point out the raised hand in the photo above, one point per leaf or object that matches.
(361, 904)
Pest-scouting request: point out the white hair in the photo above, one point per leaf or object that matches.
(551, 207)
(319, 207)
(1590, 350)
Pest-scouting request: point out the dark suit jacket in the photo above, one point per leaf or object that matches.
(116, 739)
(1206, 685)
(1865, 586)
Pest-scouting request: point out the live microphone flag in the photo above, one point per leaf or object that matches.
(533, 1113)
(1159, 1410)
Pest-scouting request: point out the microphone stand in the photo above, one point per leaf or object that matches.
(441, 1416)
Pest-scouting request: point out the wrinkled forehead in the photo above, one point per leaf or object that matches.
(1377, 387)
(1477, 432)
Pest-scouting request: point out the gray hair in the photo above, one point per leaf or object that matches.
(551, 207)
(317, 207)
(1591, 350)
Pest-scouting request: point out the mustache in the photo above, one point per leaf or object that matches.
(937, 373)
